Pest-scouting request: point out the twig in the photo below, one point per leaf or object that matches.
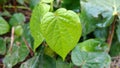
(12, 39)
(28, 46)
(3, 66)
(18, 7)
(111, 33)
(14, 3)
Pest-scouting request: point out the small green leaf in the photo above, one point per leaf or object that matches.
(35, 20)
(2, 46)
(4, 27)
(61, 30)
(18, 30)
(37, 62)
(18, 54)
(5, 13)
(17, 19)
(85, 59)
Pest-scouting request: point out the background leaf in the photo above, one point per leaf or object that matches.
(18, 54)
(94, 16)
(39, 60)
(17, 19)
(115, 47)
(118, 31)
(71, 5)
(90, 59)
(93, 45)
(4, 26)
(46, 62)
(2, 46)
(61, 64)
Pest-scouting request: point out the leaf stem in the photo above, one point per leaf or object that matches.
(111, 33)
(51, 6)
(12, 39)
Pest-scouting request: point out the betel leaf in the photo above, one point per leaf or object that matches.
(17, 19)
(4, 27)
(61, 30)
(18, 54)
(88, 55)
(2, 46)
(37, 15)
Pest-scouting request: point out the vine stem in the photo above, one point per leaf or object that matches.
(28, 46)
(19, 7)
(111, 33)
(12, 39)
(14, 3)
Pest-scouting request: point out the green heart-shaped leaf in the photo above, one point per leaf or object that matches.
(37, 15)
(61, 30)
